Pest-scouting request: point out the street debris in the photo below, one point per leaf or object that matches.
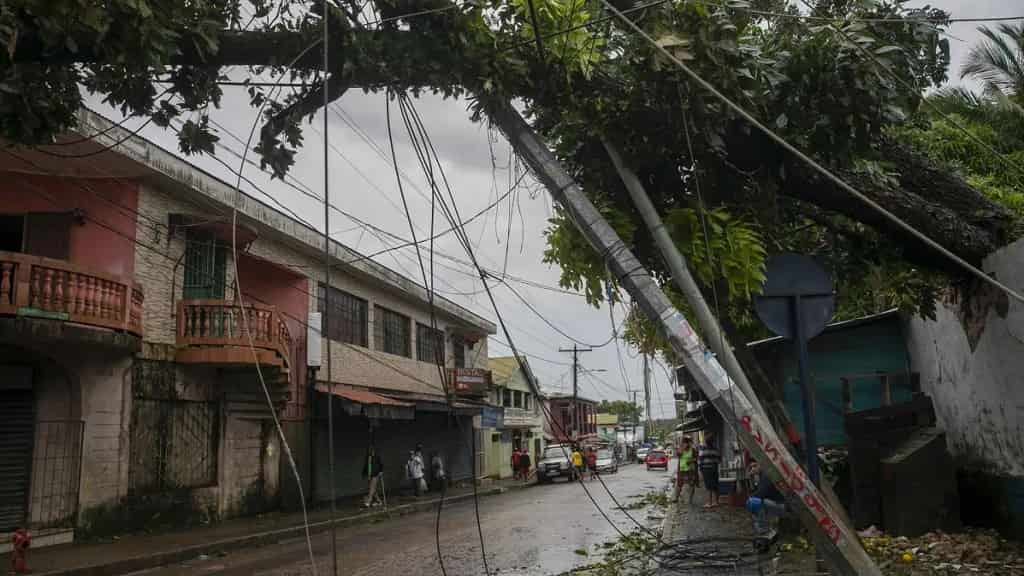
(974, 551)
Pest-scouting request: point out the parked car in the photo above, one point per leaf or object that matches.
(606, 461)
(556, 461)
(657, 459)
(641, 454)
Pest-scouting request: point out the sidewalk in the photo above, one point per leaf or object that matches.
(135, 552)
(720, 541)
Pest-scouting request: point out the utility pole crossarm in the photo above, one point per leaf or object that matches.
(837, 541)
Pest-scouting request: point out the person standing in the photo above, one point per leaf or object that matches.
(577, 462)
(515, 462)
(708, 460)
(438, 473)
(592, 462)
(414, 469)
(373, 468)
(687, 471)
(524, 465)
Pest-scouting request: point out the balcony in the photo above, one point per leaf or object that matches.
(521, 418)
(471, 382)
(38, 287)
(212, 332)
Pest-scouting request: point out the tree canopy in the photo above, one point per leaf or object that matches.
(626, 411)
(845, 87)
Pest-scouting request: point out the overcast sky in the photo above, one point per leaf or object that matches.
(363, 184)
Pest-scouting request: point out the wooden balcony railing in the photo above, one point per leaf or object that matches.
(220, 323)
(38, 286)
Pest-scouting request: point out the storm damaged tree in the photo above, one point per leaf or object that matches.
(729, 194)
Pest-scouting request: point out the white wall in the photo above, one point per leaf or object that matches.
(971, 362)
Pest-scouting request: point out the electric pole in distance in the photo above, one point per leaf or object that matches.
(575, 351)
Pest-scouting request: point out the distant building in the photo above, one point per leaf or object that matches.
(606, 426)
(517, 420)
(572, 419)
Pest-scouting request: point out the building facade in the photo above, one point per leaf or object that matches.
(572, 419)
(137, 378)
(520, 425)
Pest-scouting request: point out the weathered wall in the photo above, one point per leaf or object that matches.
(103, 242)
(971, 358)
(105, 445)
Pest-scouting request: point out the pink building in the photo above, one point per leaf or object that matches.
(572, 419)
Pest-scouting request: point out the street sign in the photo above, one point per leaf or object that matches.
(797, 303)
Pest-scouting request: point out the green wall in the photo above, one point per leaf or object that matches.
(857, 350)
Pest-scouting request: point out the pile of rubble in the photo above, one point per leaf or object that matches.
(935, 553)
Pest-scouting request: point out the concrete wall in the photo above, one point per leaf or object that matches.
(103, 242)
(971, 358)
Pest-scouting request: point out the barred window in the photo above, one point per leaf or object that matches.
(391, 332)
(429, 344)
(345, 319)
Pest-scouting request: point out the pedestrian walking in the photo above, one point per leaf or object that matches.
(577, 461)
(414, 470)
(438, 473)
(373, 469)
(524, 465)
(516, 455)
(592, 463)
(709, 459)
(687, 469)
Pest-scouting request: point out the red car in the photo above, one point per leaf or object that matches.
(657, 459)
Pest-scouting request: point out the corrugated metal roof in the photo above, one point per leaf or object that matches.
(360, 396)
(502, 368)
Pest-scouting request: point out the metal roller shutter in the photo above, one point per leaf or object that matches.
(17, 416)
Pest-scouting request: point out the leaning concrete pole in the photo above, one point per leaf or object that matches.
(683, 279)
(834, 539)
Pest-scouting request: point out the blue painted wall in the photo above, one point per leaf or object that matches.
(857, 350)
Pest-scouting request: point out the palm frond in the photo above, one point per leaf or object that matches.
(998, 61)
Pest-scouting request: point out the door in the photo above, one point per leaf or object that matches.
(17, 419)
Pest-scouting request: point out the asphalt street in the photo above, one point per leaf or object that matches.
(539, 530)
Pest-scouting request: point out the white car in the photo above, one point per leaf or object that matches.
(606, 461)
(641, 455)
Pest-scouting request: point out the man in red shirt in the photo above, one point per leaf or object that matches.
(516, 472)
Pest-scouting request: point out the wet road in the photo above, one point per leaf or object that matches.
(536, 531)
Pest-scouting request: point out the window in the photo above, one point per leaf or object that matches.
(345, 319)
(459, 351)
(429, 344)
(391, 332)
(517, 399)
(506, 399)
(38, 233)
(205, 265)
(526, 400)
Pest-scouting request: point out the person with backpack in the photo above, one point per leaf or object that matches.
(414, 470)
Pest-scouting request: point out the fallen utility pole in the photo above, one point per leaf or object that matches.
(683, 279)
(837, 541)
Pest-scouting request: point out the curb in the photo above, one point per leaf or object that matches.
(137, 563)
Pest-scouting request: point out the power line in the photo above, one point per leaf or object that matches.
(811, 162)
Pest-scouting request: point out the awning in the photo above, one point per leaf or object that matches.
(436, 403)
(358, 402)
